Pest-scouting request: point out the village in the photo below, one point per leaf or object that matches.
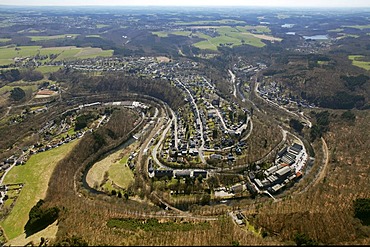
(208, 130)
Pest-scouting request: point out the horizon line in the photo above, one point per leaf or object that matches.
(182, 5)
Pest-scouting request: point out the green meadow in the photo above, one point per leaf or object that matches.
(234, 36)
(93, 36)
(48, 69)
(101, 25)
(361, 27)
(62, 36)
(215, 22)
(226, 35)
(165, 34)
(35, 175)
(8, 53)
(357, 60)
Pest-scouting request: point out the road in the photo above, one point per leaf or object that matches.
(175, 128)
(7, 112)
(209, 84)
(233, 82)
(198, 119)
(155, 149)
(250, 129)
(283, 140)
(324, 168)
(271, 103)
(6, 172)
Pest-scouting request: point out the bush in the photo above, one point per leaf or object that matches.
(295, 124)
(362, 210)
(348, 115)
(40, 218)
(72, 241)
(17, 94)
(302, 239)
(82, 121)
(321, 126)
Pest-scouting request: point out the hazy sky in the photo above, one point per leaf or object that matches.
(272, 3)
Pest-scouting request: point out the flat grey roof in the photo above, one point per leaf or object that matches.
(283, 171)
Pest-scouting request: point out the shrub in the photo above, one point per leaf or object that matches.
(40, 218)
(362, 210)
(302, 239)
(17, 94)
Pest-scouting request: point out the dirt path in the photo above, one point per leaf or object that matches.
(324, 168)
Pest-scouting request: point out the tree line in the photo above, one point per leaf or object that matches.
(116, 83)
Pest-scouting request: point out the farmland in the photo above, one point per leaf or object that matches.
(9, 53)
(165, 34)
(35, 175)
(357, 60)
(25, 86)
(48, 69)
(215, 22)
(231, 36)
(62, 36)
(226, 35)
(361, 27)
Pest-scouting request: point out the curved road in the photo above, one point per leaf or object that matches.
(324, 168)
(302, 117)
(200, 149)
(233, 82)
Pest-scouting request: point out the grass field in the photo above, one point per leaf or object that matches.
(62, 36)
(118, 171)
(93, 36)
(223, 21)
(231, 36)
(29, 31)
(356, 61)
(9, 87)
(361, 27)
(8, 53)
(260, 29)
(322, 62)
(35, 175)
(228, 36)
(282, 16)
(48, 69)
(95, 176)
(165, 34)
(338, 30)
(101, 25)
(48, 233)
(347, 36)
(121, 174)
(4, 40)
